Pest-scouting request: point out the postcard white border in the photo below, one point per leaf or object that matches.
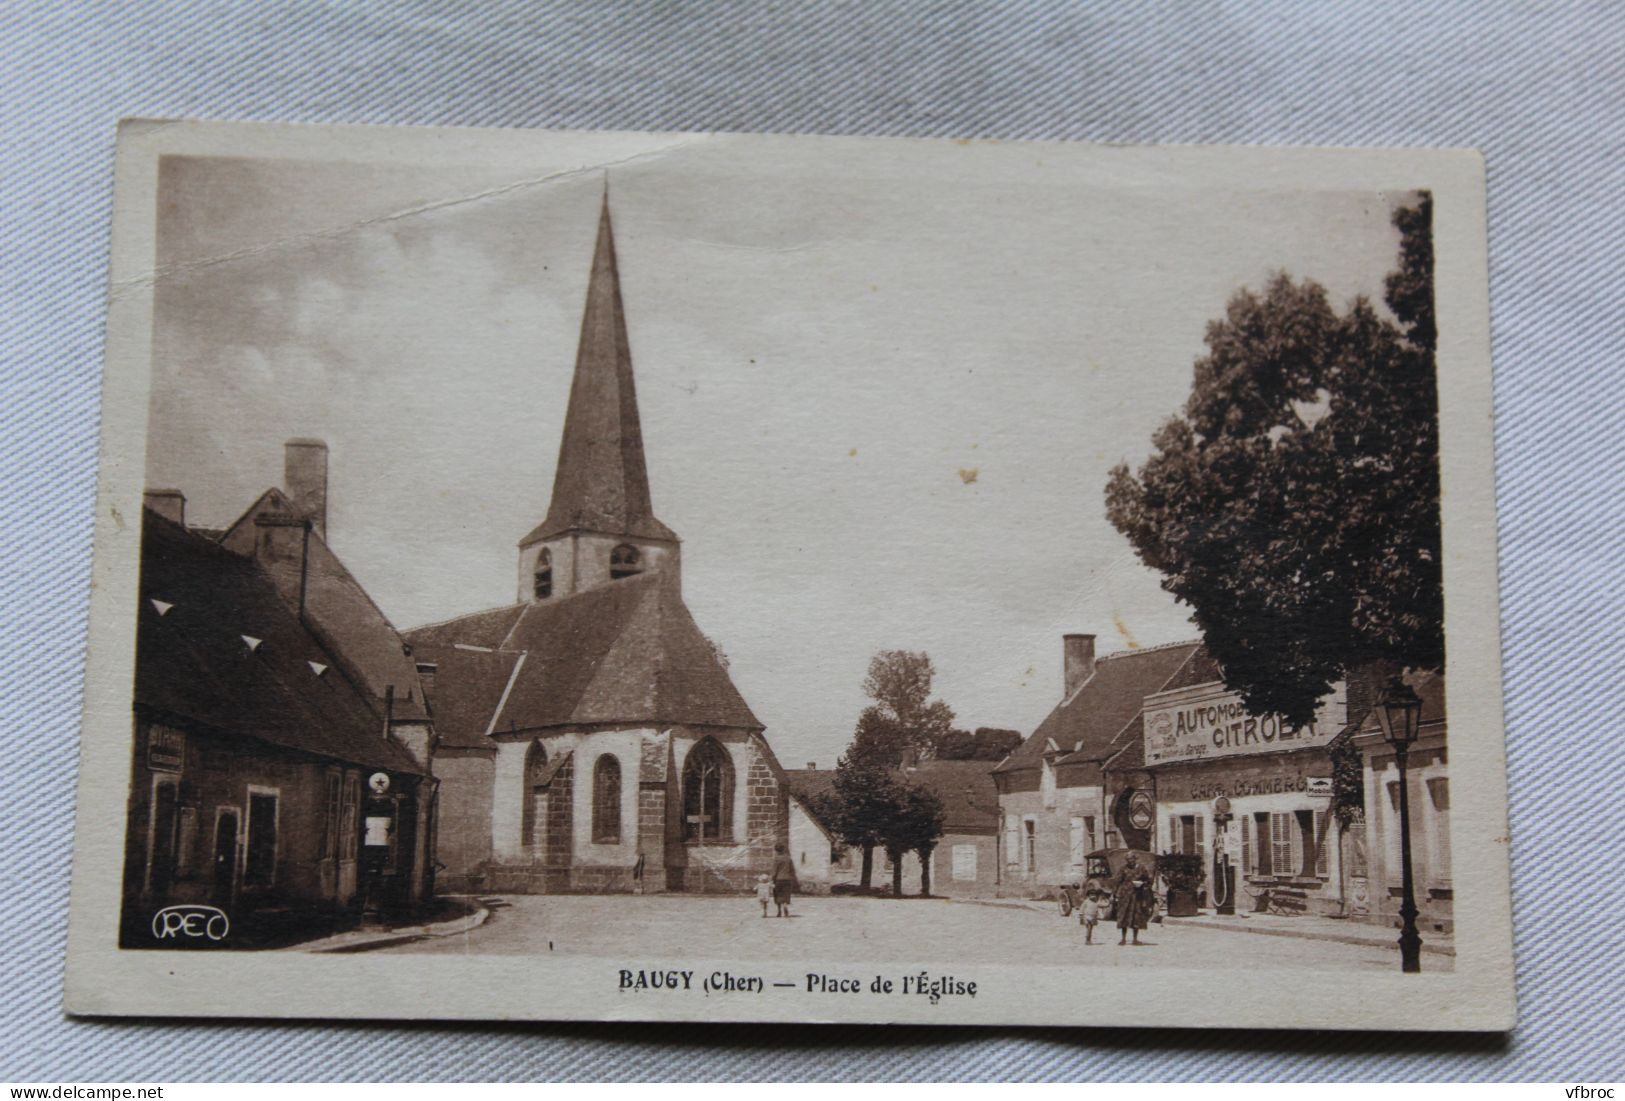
(1477, 995)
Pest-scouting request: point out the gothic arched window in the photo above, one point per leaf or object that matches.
(708, 789)
(544, 575)
(533, 826)
(606, 800)
(624, 561)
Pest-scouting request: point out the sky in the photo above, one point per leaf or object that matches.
(880, 399)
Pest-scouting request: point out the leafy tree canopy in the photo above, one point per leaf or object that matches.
(987, 743)
(1294, 504)
(903, 715)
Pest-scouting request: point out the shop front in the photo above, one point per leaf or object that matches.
(1248, 796)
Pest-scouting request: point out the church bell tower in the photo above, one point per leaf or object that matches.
(600, 526)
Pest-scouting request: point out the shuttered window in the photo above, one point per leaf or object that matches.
(1012, 840)
(1283, 837)
(1246, 844)
(1173, 834)
(1321, 845)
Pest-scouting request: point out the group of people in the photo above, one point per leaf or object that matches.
(1130, 891)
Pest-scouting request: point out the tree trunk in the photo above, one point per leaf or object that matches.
(925, 873)
(897, 875)
(868, 866)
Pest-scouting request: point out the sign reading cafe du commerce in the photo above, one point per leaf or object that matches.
(1205, 721)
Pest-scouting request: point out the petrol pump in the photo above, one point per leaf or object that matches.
(1224, 873)
(379, 823)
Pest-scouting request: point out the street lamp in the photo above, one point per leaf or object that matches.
(1399, 710)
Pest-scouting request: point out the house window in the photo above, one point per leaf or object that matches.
(330, 820)
(1012, 840)
(708, 784)
(1030, 849)
(624, 561)
(964, 865)
(606, 800)
(349, 817)
(260, 869)
(542, 582)
(1078, 842)
(1439, 834)
(1287, 842)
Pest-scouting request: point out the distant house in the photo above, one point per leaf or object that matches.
(822, 861)
(965, 862)
(266, 779)
(1053, 790)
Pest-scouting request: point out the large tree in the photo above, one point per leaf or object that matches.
(902, 719)
(1294, 504)
(912, 825)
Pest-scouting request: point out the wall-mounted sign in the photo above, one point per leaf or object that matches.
(1142, 810)
(166, 749)
(1320, 787)
(1190, 724)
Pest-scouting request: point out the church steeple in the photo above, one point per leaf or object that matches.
(601, 486)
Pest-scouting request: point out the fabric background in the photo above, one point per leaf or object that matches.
(1539, 88)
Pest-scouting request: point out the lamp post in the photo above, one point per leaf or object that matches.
(1399, 710)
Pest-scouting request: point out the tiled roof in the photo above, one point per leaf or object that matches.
(970, 798)
(487, 629)
(810, 784)
(336, 606)
(624, 654)
(1428, 685)
(602, 481)
(1085, 726)
(475, 681)
(195, 665)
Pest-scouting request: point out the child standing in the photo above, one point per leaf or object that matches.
(764, 891)
(1096, 901)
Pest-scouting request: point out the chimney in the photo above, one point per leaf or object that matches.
(304, 479)
(1078, 661)
(812, 766)
(168, 503)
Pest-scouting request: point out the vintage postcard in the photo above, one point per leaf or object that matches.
(731, 577)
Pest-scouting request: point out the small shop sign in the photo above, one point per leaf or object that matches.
(166, 749)
(1320, 787)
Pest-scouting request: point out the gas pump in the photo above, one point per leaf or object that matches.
(1224, 873)
(378, 830)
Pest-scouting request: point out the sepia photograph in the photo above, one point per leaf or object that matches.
(696, 576)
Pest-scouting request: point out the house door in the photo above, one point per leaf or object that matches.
(225, 859)
(163, 839)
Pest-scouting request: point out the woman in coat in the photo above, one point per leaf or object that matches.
(784, 879)
(1131, 891)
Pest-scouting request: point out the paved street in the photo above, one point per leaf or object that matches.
(860, 929)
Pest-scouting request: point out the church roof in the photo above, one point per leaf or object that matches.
(218, 647)
(602, 481)
(625, 654)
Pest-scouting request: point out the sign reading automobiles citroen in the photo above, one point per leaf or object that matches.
(1205, 720)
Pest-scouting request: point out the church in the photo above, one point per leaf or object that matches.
(588, 736)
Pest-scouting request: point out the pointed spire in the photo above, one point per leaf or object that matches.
(602, 482)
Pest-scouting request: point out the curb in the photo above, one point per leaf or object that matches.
(1309, 934)
(362, 939)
